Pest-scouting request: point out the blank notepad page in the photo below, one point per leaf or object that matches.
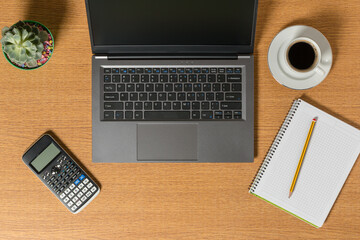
(332, 151)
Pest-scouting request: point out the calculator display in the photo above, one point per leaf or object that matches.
(45, 157)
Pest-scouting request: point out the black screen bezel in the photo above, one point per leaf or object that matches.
(37, 148)
(172, 49)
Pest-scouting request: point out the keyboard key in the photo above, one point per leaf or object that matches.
(200, 96)
(216, 87)
(115, 70)
(188, 70)
(108, 116)
(113, 105)
(178, 87)
(123, 70)
(206, 115)
(211, 78)
(220, 78)
(168, 87)
(205, 105)
(149, 87)
(131, 70)
(221, 70)
(162, 96)
(135, 78)
(237, 70)
(219, 96)
(190, 96)
(166, 115)
(186, 105)
(125, 78)
(215, 105)
(176, 105)
(159, 87)
(107, 78)
(128, 115)
(148, 70)
(197, 70)
(139, 70)
(153, 96)
(210, 96)
(207, 87)
(166, 105)
(156, 70)
(164, 78)
(225, 87)
(139, 87)
(138, 105)
(233, 78)
(202, 78)
(107, 70)
(111, 96)
(230, 105)
(181, 96)
(237, 114)
(148, 105)
(171, 96)
(236, 87)
(145, 78)
(115, 78)
(143, 96)
(229, 70)
(180, 70)
(154, 78)
(233, 96)
(124, 96)
(213, 70)
(197, 87)
(119, 115)
(183, 78)
(172, 70)
(130, 87)
(195, 115)
(188, 87)
(195, 105)
(164, 70)
(205, 70)
(192, 78)
(121, 87)
(157, 105)
(134, 96)
(218, 114)
(173, 78)
(129, 106)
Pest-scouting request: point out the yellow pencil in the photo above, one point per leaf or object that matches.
(302, 156)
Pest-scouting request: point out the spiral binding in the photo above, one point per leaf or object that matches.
(274, 145)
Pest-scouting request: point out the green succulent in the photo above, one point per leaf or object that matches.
(23, 44)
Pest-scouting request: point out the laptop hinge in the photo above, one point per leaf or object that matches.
(165, 57)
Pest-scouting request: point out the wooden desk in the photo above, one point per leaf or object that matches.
(164, 201)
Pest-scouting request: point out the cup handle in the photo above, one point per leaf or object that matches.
(319, 71)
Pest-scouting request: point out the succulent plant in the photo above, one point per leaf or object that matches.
(23, 44)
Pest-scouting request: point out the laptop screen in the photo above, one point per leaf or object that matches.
(171, 23)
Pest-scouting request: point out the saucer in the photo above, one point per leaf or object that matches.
(283, 73)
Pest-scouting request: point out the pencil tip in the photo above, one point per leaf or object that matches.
(314, 119)
(290, 193)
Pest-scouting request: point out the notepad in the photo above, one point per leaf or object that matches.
(331, 153)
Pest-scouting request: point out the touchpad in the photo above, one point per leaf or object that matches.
(167, 142)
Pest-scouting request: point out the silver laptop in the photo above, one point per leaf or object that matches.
(172, 81)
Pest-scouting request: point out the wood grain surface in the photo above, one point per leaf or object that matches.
(164, 200)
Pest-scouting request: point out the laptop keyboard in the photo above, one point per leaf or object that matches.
(171, 93)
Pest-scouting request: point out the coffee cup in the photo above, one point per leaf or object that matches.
(300, 57)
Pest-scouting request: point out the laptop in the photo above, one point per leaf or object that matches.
(172, 81)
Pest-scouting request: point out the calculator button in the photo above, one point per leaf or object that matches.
(74, 208)
(70, 203)
(76, 190)
(58, 192)
(83, 198)
(86, 181)
(82, 177)
(85, 190)
(66, 199)
(88, 194)
(78, 203)
(73, 178)
(62, 195)
(93, 189)
(71, 195)
(48, 182)
(81, 186)
(89, 185)
(75, 199)
(52, 178)
(62, 188)
(72, 186)
(77, 182)
(80, 194)
(67, 191)
(44, 177)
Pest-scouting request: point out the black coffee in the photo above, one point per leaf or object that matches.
(301, 55)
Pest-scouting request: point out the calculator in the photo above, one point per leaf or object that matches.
(60, 173)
